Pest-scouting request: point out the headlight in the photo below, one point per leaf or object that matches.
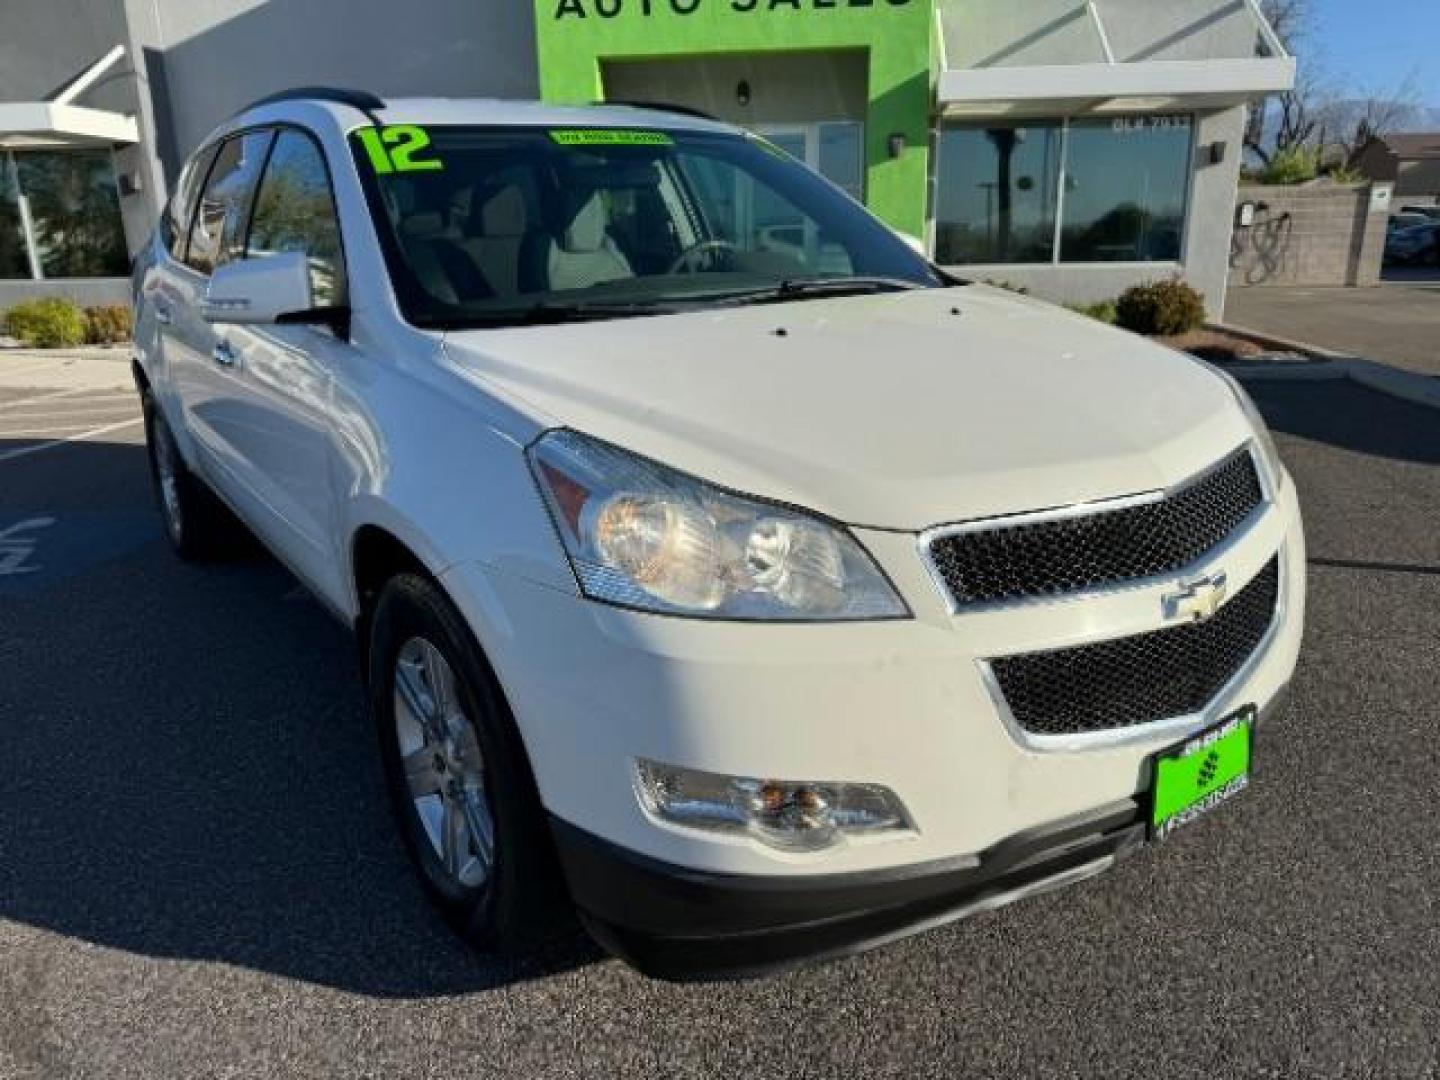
(644, 536)
(1263, 438)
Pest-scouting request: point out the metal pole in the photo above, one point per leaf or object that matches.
(1099, 25)
(90, 76)
(1064, 172)
(27, 223)
(1267, 32)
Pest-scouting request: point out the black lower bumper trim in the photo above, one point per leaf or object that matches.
(676, 923)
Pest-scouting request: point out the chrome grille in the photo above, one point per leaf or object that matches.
(1071, 554)
(1159, 675)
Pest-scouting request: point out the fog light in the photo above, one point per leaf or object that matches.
(792, 815)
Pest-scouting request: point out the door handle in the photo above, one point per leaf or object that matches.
(163, 316)
(224, 354)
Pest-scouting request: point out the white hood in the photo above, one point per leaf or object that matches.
(897, 411)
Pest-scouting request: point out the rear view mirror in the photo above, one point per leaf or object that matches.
(271, 289)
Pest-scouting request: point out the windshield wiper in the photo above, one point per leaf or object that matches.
(547, 313)
(816, 287)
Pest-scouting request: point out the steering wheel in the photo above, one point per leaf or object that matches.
(706, 255)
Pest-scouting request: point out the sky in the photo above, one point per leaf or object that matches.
(1373, 47)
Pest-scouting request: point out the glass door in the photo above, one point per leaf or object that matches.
(834, 149)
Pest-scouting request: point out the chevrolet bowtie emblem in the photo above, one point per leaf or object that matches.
(1196, 600)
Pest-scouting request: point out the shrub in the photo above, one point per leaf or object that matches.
(1100, 311)
(1298, 165)
(1347, 174)
(1164, 308)
(52, 323)
(109, 324)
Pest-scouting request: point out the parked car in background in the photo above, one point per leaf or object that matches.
(1406, 219)
(1412, 239)
(1426, 211)
(718, 565)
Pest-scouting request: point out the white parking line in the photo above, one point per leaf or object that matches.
(20, 402)
(25, 451)
(13, 370)
(54, 430)
(17, 548)
(80, 415)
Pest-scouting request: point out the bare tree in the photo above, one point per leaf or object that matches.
(1290, 19)
(1292, 111)
(1322, 111)
(1349, 125)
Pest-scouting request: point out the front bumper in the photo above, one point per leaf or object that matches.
(674, 922)
(671, 922)
(903, 704)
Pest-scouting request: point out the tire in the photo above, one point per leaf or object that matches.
(515, 902)
(195, 522)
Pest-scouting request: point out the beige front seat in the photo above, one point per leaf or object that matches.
(496, 236)
(443, 268)
(584, 254)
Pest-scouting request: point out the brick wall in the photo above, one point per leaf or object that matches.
(1320, 234)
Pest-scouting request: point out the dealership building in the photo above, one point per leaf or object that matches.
(1071, 147)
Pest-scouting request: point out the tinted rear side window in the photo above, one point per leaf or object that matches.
(218, 233)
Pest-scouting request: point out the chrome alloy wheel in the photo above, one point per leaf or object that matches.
(443, 766)
(168, 480)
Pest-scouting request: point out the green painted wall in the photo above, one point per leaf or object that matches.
(574, 36)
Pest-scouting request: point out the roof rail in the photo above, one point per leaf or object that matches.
(664, 106)
(363, 100)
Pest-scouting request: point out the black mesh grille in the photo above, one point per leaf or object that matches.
(1134, 680)
(1052, 558)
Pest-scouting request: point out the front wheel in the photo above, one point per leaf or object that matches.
(194, 519)
(458, 774)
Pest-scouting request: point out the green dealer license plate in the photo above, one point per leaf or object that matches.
(1199, 775)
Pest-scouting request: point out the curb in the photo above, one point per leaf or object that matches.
(1281, 344)
(1417, 389)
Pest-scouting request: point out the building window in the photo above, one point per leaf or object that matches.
(1078, 191)
(1126, 183)
(996, 199)
(60, 215)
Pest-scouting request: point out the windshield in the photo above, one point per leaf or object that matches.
(488, 226)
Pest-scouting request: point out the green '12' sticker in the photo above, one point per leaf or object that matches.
(392, 149)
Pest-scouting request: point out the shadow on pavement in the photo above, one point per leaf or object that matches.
(1421, 276)
(1352, 417)
(188, 770)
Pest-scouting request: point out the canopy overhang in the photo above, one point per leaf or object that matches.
(1112, 88)
(1068, 57)
(33, 125)
(58, 123)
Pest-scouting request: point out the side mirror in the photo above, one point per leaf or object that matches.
(271, 289)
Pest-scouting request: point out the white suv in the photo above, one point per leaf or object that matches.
(719, 566)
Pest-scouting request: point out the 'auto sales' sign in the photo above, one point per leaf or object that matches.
(610, 9)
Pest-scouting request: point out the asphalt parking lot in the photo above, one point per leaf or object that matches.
(198, 874)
